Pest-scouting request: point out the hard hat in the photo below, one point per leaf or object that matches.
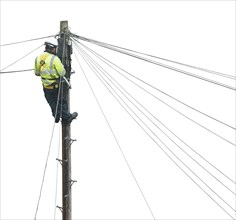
(51, 43)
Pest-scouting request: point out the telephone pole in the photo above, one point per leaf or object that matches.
(64, 53)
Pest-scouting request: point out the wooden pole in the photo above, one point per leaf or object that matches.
(64, 53)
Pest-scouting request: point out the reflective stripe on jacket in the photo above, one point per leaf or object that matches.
(49, 67)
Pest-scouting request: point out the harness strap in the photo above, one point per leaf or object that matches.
(57, 79)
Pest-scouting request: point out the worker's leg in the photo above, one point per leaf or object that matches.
(65, 114)
(61, 108)
(51, 96)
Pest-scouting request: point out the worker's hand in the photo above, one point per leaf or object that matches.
(67, 82)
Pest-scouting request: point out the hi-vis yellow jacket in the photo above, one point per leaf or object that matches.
(49, 67)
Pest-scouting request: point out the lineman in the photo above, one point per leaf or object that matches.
(50, 68)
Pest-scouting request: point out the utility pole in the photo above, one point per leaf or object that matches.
(64, 53)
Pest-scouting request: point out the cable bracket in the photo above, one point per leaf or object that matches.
(72, 182)
(70, 141)
(61, 209)
(59, 160)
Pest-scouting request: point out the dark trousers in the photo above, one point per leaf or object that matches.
(51, 96)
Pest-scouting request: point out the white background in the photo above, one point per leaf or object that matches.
(200, 33)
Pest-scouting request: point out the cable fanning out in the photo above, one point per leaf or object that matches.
(177, 158)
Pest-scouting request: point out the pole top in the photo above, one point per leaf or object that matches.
(63, 26)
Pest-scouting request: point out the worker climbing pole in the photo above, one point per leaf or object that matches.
(54, 68)
(64, 53)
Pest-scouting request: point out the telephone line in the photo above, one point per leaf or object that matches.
(99, 57)
(24, 41)
(60, 93)
(104, 71)
(124, 157)
(58, 152)
(156, 63)
(165, 102)
(21, 58)
(49, 149)
(176, 62)
(171, 152)
(219, 121)
(16, 71)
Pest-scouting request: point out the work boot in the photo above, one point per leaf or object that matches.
(57, 119)
(72, 117)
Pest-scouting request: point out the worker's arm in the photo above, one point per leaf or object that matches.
(36, 67)
(59, 67)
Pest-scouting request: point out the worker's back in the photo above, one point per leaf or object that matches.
(49, 67)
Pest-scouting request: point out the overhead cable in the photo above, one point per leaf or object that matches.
(160, 58)
(60, 92)
(16, 71)
(165, 102)
(164, 145)
(49, 149)
(155, 62)
(104, 60)
(58, 153)
(24, 41)
(169, 150)
(219, 121)
(106, 73)
(118, 144)
(194, 67)
(21, 58)
(176, 62)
